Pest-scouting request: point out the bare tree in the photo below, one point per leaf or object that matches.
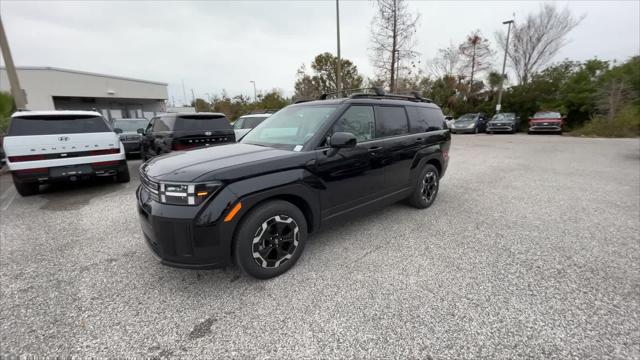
(536, 41)
(476, 54)
(392, 34)
(446, 63)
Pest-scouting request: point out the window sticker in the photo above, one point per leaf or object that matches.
(297, 148)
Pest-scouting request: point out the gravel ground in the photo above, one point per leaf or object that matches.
(532, 250)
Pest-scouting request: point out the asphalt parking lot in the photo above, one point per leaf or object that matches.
(532, 249)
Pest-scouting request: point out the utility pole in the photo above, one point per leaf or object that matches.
(504, 65)
(339, 75)
(397, 69)
(184, 95)
(255, 96)
(19, 96)
(195, 103)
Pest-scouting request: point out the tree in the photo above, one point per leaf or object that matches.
(446, 63)
(536, 41)
(7, 107)
(323, 79)
(476, 54)
(392, 34)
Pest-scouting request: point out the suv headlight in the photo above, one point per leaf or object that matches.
(186, 194)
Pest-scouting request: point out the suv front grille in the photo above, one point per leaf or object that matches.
(150, 186)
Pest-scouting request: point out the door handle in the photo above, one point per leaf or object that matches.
(375, 148)
(419, 140)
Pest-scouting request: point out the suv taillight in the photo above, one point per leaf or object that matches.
(105, 151)
(26, 158)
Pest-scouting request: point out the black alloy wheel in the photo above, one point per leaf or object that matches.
(426, 189)
(275, 241)
(270, 239)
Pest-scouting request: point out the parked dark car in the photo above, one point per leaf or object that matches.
(503, 122)
(184, 131)
(130, 131)
(470, 123)
(546, 122)
(254, 202)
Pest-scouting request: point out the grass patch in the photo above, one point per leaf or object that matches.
(626, 124)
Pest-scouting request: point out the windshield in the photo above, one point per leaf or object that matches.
(291, 127)
(130, 125)
(200, 122)
(547, 115)
(57, 124)
(248, 122)
(467, 117)
(504, 117)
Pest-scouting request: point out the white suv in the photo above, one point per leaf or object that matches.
(246, 123)
(47, 146)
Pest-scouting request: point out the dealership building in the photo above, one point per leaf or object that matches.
(50, 88)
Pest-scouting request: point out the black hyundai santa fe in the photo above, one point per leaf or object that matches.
(254, 202)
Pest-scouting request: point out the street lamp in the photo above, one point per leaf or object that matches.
(504, 64)
(255, 97)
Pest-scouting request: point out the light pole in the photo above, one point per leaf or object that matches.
(255, 97)
(339, 74)
(504, 64)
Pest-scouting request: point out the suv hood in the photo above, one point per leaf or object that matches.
(222, 162)
(505, 121)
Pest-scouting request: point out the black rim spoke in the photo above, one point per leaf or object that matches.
(429, 186)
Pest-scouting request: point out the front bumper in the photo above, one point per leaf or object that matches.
(186, 236)
(131, 147)
(463, 130)
(545, 128)
(501, 127)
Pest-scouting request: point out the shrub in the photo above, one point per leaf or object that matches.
(625, 124)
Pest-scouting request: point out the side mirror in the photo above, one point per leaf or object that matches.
(117, 131)
(140, 131)
(341, 140)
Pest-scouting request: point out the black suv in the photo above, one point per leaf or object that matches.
(255, 201)
(183, 131)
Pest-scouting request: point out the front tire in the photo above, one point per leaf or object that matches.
(26, 189)
(270, 239)
(426, 188)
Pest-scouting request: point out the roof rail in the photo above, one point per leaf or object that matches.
(378, 91)
(415, 97)
(302, 100)
(262, 111)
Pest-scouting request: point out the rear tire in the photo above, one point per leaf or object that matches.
(26, 189)
(426, 187)
(270, 239)
(123, 176)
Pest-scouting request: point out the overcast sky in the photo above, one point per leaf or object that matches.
(223, 45)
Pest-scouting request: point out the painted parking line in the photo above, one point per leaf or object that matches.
(7, 198)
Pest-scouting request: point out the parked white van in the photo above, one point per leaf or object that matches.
(48, 146)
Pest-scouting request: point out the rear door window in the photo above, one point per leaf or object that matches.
(424, 119)
(391, 121)
(200, 122)
(251, 122)
(163, 123)
(57, 124)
